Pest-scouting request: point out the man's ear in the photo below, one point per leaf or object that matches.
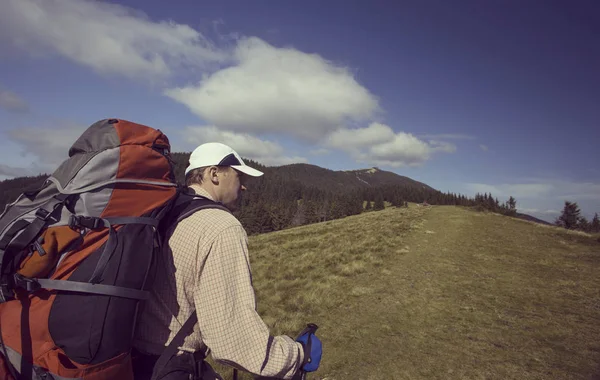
(213, 174)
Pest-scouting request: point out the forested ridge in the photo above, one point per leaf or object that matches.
(299, 194)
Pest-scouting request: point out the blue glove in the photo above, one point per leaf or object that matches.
(313, 349)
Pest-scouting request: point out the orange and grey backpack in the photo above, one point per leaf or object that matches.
(77, 256)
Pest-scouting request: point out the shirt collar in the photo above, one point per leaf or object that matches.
(200, 191)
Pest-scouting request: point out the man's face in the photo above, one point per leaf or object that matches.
(232, 184)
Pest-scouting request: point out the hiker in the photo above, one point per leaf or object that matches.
(204, 271)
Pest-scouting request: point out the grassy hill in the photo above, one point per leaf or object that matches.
(436, 292)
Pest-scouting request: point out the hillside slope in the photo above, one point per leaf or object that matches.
(326, 179)
(435, 293)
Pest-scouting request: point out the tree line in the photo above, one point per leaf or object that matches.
(275, 201)
(571, 219)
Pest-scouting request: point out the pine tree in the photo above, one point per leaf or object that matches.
(511, 206)
(569, 218)
(397, 200)
(595, 226)
(310, 212)
(491, 203)
(299, 217)
(280, 214)
(261, 221)
(379, 203)
(336, 210)
(323, 210)
(368, 207)
(583, 224)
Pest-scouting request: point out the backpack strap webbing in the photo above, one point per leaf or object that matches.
(12, 231)
(44, 217)
(93, 287)
(22, 233)
(177, 341)
(186, 205)
(33, 284)
(111, 244)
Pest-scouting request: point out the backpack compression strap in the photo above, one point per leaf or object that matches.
(21, 234)
(33, 284)
(44, 217)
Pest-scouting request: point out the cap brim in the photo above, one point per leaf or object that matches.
(248, 170)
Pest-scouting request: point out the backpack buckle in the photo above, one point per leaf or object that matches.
(29, 284)
(5, 293)
(42, 214)
(45, 214)
(74, 222)
(90, 222)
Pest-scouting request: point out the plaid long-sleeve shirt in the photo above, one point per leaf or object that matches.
(205, 267)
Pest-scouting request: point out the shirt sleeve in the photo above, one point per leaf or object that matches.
(226, 306)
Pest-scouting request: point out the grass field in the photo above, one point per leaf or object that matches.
(435, 293)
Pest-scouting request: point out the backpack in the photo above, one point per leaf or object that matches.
(77, 255)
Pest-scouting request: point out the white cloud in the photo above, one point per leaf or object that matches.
(49, 145)
(404, 148)
(484, 147)
(252, 88)
(265, 152)
(281, 90)
(379, 145)
(346, 139)
(12, 102)
(107, 37)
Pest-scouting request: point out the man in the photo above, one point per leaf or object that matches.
(205, 269)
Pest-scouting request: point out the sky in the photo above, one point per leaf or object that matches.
(466, 96)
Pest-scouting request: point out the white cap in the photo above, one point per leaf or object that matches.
(218, 154)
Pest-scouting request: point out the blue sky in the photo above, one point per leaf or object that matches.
(466, 96)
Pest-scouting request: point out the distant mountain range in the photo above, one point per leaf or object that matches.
(298, 176)
(325, 179)
(531, 218)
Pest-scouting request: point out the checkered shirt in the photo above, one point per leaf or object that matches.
(205, 267)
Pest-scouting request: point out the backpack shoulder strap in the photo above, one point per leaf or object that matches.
(186, 205)
(177, 341)
(195, 203)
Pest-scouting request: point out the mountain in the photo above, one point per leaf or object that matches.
(326, 179)
(531, 218)
(10, 189)
(299, 194)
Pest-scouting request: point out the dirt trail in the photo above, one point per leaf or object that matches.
(390, 330)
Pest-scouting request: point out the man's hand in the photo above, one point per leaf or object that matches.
(313, 349)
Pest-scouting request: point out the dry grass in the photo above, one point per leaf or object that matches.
(435, 293)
